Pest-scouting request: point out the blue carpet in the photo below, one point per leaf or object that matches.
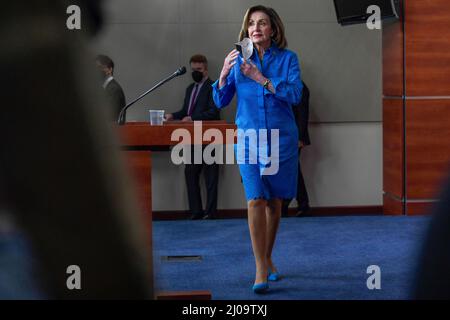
(318, 257)
(17, 278)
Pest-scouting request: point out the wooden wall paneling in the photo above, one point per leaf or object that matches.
(392, 59)
(427, 34)
(419, 208)
(427, 147)
(392, 206)
(393, 159)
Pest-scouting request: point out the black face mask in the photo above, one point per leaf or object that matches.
(197, 76)
(101, 76)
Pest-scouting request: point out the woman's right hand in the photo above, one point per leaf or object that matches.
(229, 62)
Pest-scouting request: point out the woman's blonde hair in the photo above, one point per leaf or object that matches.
(275, 22)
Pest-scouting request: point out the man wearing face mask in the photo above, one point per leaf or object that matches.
(113, 90)
(199, 105)
(198, 102)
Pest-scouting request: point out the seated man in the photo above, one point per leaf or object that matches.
(113, 90)
(199, 105)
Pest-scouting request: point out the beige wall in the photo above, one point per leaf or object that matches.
(148, 40)
(341, 168)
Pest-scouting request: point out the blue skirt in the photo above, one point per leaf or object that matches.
(282, 185)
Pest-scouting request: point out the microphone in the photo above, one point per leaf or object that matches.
(180, 71)
(122, 114)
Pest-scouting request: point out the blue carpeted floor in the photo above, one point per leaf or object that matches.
(17, 277)
(318, 257)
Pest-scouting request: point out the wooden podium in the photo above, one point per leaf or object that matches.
(140, 139)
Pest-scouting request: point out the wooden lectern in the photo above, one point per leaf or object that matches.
(140, 139)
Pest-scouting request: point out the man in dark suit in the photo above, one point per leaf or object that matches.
(199, 105)
(113, 90)
(301, 113)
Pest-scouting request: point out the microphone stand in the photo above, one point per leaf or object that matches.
(122, 115)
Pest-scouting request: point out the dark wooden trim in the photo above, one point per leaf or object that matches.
(184, 295)
(392, 205)
(419, 208)
(242, 213)
(143, 136)
(428, 147)
(393, 147)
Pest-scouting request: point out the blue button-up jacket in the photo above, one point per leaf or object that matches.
(259, 108)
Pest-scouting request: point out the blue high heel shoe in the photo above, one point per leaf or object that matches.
(273, 276)
(260, 287)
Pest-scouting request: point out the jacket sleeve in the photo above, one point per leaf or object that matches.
(301, 114)
(183, 112)
(212, 112)
(304, 116)
(116, 98)
(288, 90)
(223, 96)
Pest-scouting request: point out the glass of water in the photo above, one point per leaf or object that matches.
(156, 117)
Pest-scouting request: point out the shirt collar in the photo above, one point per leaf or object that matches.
(200, 84)
(107, 81)
(273, 49)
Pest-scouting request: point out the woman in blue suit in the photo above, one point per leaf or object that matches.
(266, 85)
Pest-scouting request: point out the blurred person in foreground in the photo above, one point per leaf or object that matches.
(62, 177)
(433, 280)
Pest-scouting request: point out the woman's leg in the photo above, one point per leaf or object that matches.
(257, 226)
(273, 214)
